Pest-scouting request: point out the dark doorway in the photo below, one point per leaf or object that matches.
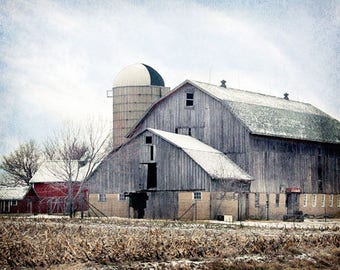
(138, 203)
(293, 203)
(152, 175)
(243, 206)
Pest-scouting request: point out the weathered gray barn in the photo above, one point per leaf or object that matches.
(290, 149)
(167, 175)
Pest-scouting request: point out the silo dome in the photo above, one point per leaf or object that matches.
(138, 75)
(135, 89)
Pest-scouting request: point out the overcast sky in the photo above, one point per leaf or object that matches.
(58, 58)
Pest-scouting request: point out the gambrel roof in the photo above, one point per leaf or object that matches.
(212, 161)
(13, 193)
(273, 116)
(268, 115)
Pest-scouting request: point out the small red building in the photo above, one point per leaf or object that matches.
(56, 194)
(18, 200)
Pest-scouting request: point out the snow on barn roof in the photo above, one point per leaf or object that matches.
(214, 162)
(13, 193)
(273, 116)
(267, 115)
(57, 171)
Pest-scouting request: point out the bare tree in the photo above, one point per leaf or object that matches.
(78, 149)
(21, 164)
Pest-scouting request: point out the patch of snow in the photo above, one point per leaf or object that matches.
(57, 171)
(273, 116)
(214, 162)
(218, 165)
(254, 98)
(13, 193)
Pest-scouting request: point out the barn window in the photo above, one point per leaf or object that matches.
(189, 99)
(331, 200)
(152, 175)
(152, 153)
(277, 200)
(314, 200)
(14, 203)
(122, 197)
(257, 200)
(323, 199)
(183, 130)
(101, 197)
(148, 140)
(305, 200)
(197, 196)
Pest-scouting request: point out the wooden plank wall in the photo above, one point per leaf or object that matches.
(125, 170)
(163, 205)
(209, 120)
(280, 163)
(275, 163)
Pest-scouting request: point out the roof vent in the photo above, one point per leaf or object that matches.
(285, 96)
(223, 84)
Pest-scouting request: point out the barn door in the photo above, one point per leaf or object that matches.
(138, 203)
(293, 200)
(243, 203)
(293, 204)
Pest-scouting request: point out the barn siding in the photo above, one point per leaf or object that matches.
(277, 164)
(210, 121)
(162, 205)
(125, 171)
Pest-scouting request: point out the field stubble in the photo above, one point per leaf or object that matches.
(133, 244)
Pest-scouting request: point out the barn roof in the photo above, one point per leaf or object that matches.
(212, 161)
(55, 171)
(13, 193)
(273, 116)
(268, 115)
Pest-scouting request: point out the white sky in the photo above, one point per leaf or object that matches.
(58, 58)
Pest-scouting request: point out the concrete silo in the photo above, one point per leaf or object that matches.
(135, 88)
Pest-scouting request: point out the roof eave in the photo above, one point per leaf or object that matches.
(293, 138)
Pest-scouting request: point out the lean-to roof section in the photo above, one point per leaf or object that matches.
(214, 162)
(13, 193)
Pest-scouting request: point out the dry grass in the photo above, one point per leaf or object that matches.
(43, 243)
